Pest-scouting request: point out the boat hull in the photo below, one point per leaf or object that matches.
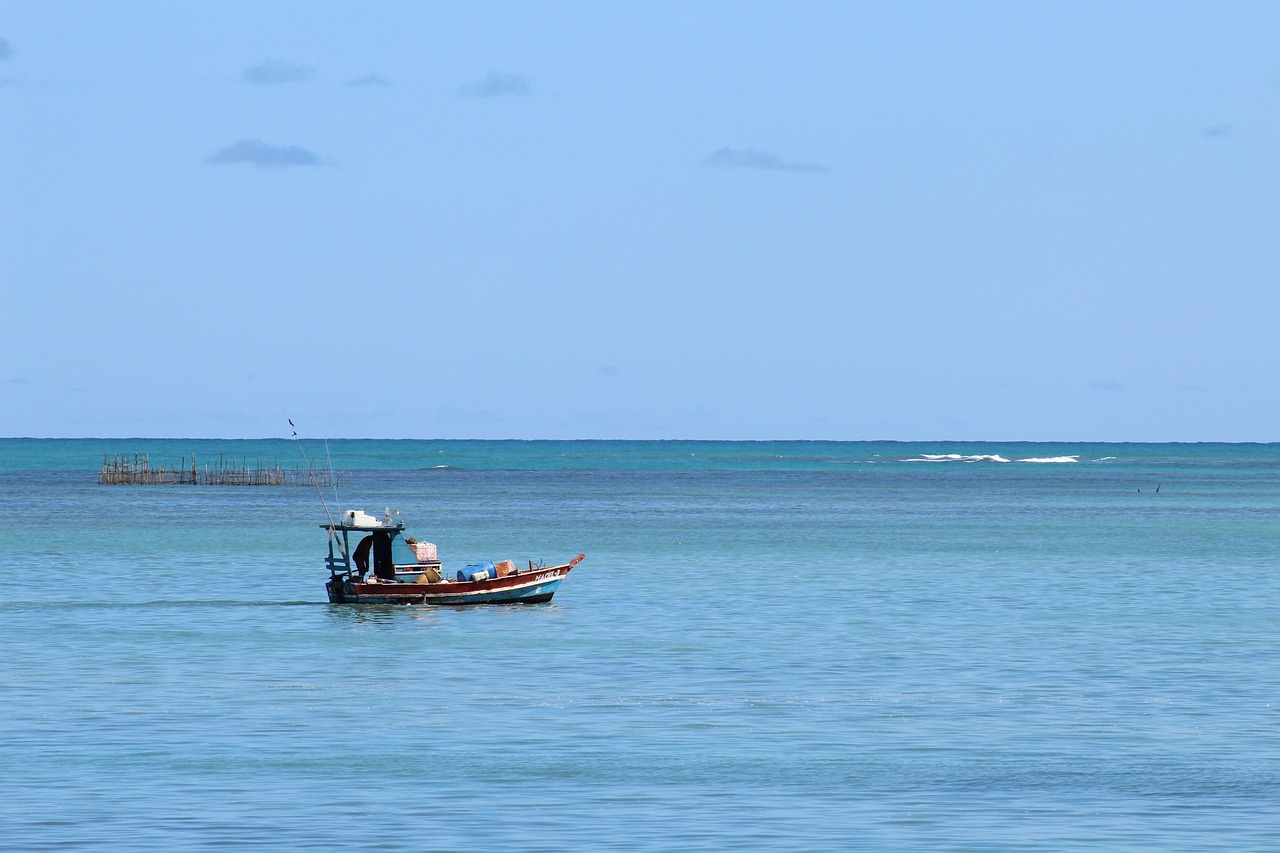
(535, 586)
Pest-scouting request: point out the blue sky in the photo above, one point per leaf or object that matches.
(854, 220)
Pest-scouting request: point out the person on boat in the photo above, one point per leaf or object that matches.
(383, 567)
(361, 555)
(380, 544)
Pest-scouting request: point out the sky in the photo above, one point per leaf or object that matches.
(1054, 221)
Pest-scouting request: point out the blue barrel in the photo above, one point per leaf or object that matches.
(469, 572)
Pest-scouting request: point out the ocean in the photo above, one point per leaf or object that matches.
(770, 646)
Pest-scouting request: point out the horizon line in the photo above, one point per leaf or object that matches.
(690, 440)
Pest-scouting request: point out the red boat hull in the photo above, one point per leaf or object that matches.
(528, 586)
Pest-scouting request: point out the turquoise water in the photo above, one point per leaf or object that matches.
(770, 646)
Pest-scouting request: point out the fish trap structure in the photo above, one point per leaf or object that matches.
(137, 470)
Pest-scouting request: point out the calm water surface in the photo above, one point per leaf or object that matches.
(770, 646)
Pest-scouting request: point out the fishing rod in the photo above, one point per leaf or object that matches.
(333, 478)
(314, 480)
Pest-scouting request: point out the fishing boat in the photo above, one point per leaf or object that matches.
(371, 561)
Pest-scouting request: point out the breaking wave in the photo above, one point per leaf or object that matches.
(955, 457)
(989, 457)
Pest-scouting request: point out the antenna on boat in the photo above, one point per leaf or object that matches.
(323, 503)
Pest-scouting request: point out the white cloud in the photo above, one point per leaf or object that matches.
(255, 152)
(367, 81)
(497, 85)
(749, 158)
(273, 72)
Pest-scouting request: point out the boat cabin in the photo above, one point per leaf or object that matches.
(361, 544)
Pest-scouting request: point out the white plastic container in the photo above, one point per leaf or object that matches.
(360, 518)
